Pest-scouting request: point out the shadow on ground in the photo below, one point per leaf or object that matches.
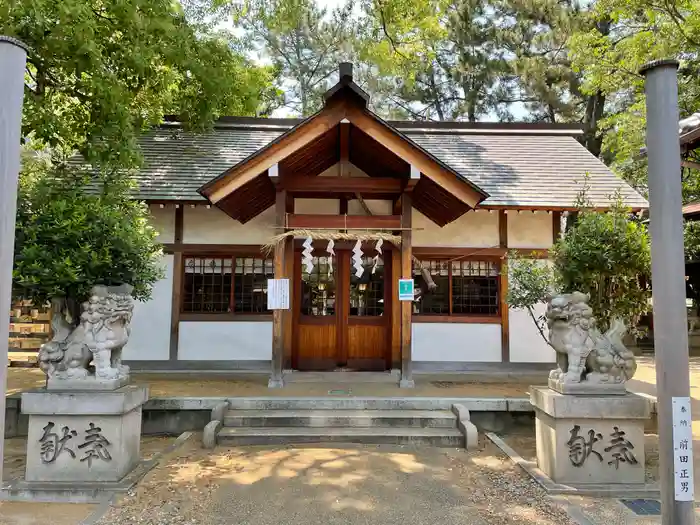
(348, 485)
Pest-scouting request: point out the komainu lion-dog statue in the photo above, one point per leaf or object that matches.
(92, 349)
(586, 356)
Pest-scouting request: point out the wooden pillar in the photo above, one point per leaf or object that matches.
(178, 271)
(503, 287)
(556, 226)
(344, 163)
(279, 317)
(406, 306)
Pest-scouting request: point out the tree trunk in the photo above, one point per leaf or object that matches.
(594, 112)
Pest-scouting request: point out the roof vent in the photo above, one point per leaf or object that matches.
(345, 70)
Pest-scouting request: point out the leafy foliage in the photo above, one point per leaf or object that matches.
(607, 255)
(530, 282)
(691, 238)
(640, 31)
(304, 42)
(98, 73)
(71, 235)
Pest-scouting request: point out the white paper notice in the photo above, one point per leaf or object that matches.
(278, 294)
(682, 449)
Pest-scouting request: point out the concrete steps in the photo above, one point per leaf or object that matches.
(341, 418)
(339, 424)
(438, 437)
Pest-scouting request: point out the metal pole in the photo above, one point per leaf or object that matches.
(13, 58)
(667, 273)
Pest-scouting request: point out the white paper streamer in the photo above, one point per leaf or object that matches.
(378, 248)
(357, 259)
(307, 258)
(331, 253)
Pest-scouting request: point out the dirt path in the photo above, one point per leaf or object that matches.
(340, 485)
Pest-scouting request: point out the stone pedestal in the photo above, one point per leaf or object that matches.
(590, 440)
(83, 436)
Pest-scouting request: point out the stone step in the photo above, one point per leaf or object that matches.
(498, 404)
(437, 437)
(341, 418)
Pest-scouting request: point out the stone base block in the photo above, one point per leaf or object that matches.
(83, 436)
(588, 389)
(586, 440)
(89, 383)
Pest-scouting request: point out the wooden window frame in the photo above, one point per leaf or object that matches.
(495, 318)
(221, 316)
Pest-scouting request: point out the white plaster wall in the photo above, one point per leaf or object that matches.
(474, 229)
(163, 220)
(225, 341)
(376, 207)
(150, 325)
(213, 226)
(317, 206)
(529, 230)
(462, 342)
(526, 344)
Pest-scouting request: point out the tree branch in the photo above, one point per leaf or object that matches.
(539, 328)
(385, 30)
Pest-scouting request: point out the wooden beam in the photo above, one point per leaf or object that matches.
(342, 185)
(503, 287)
(406, 306)
(214, 249)
(278, 150)
(279, 316)
(502, 229)
(298, 221)
(363, 204)
(344, 164)
(410, 153)
(178, 274)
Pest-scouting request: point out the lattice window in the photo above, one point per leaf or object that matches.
(250, 284)
(318, 288)
(463, 287)
(437, 301)
(367, 292)
(226, 284)
(475, 287)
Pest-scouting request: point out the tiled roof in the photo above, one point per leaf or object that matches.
(518, 168)
(691, 209)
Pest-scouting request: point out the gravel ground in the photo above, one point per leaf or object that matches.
(339, 485)
(602, 511)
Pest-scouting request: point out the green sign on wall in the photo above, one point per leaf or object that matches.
(405, 289)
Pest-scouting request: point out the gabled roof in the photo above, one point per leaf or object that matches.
(518, 165)
(245, 188)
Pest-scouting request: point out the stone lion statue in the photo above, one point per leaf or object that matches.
(92, 349)
(584, 354)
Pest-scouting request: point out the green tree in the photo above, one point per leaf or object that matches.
(99, 73)
(72, 234)
(640, 31)
(435, 60)
(304, 42)
(607, 255)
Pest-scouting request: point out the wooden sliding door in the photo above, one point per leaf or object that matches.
(341, 320)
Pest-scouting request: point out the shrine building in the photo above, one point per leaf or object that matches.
(441, 203)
